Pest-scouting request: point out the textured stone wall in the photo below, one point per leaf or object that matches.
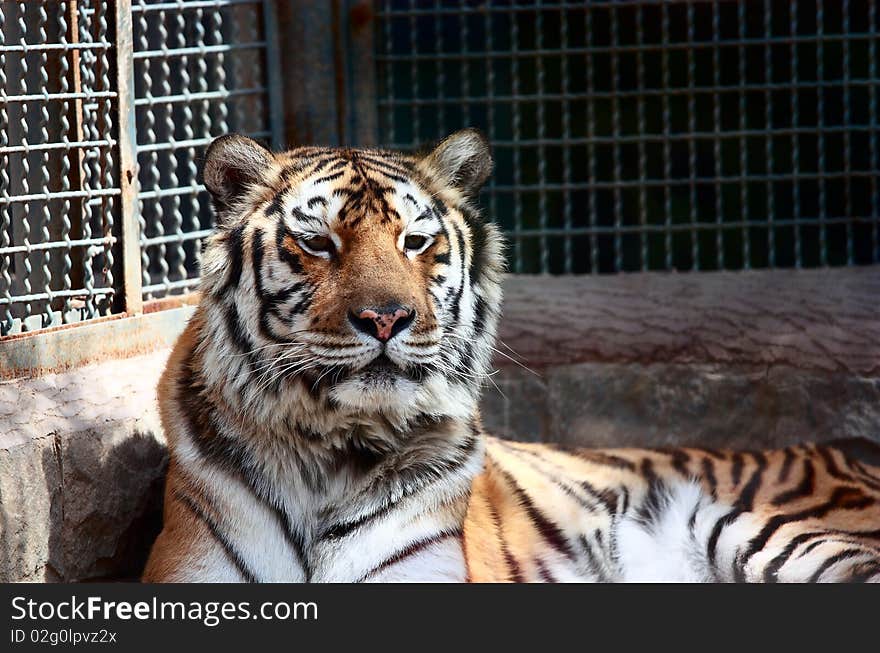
(82, 458)
(744, 360)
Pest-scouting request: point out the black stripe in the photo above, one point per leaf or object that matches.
(410, 550)
(397, 166)
(302, 304)
(786, 465)
(600, 458)
(747, 496)
(547, 529)
(331, 177)
(237, 333)
(585, 485)
(235, 250)
(843, 498)
(865, 571)
(736, 469)
(680, 460)
(772, 569)
(315, 201)
(833, 560)
(543, 572)
(831, 465)
(228, 454)
(480, 308)
(512, 565)
(274, 301)
(377, 170)
(321, 163)
(455, 309)
(479, 232)
(745, 503)
(291, 258)
(230, 551)
(592, 561)
(708, 468)
(414, 479)
(655, 503)
(805, 488)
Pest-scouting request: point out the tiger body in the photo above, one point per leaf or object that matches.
(321, 411)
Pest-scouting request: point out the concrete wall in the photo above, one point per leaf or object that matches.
(743, 360)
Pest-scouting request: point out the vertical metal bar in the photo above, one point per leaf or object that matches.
(169, 155)
(795, 140)
(517, 136)
(390, 134)
(490, 107)
(205, 130)
(465, 65)
(106, 165)
(716, 140)
(743, 140)
(147, 127)
(873, 148)
(87, 77)
(768, 140)
(127, 143)
(847, 149)
(820, 128)
(414, 73)
(24, 218)
(615, 146)
(6, 320)
(692, 145)
(192, 172)
(542, 158)
(642, 128)
(591, 142)
(566, 144)
(182, 81)
(273, 73)
(667, 156)
(45, 234)
(440, 74)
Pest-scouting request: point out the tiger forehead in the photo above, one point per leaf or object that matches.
(362, 183)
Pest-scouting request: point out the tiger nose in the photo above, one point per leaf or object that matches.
(382, 323)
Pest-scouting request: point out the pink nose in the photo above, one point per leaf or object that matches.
(382, 323)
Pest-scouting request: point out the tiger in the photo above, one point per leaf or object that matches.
(321, 410)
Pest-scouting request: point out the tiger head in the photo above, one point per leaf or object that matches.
(363, 281)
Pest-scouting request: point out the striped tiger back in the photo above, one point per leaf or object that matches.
(806, 513)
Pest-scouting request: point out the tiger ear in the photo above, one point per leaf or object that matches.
(464, 159)
(233, 165)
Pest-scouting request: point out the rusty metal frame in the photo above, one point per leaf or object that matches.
(130, 207)
(58, 349)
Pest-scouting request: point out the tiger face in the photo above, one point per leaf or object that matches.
(363, 278)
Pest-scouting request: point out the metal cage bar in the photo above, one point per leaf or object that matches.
(201, 69)
(59, 187)
(106, 109)
(654, 134)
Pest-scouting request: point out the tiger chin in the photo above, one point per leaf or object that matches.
(321, 411)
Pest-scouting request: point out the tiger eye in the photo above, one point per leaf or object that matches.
(414, 241)
(318, 243)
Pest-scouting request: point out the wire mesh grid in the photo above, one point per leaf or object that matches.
(652, 135)
(57, 180)
(201, 70)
